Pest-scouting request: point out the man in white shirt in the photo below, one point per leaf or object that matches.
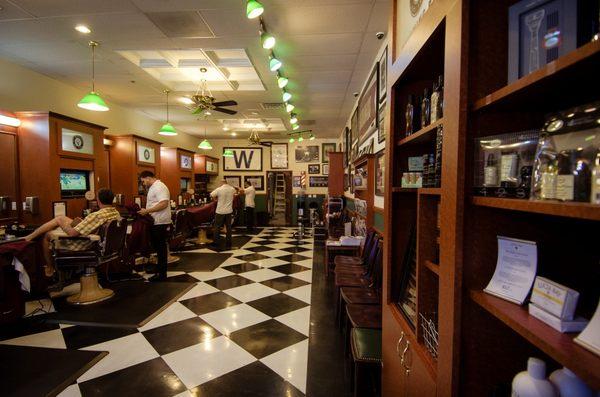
(157, 205)
(224, 195)
(250, 194)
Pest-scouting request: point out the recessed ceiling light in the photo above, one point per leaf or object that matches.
(234, 134)
(83, 29)
(225, 128)
(186, 100)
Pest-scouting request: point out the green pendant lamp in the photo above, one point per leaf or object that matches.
(205, 144)
(267, 40)
(254, 9)
(286, 96)
(93, 101)
(228, 153)
(311, 138)
(282, 81)
(292, 139)
(289, 107)
(275, 64)
(167, 129)
(294, 119)
(295, 127)
(301, 138)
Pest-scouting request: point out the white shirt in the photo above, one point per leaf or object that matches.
(158, 192)
(250, 195)
(224, 195)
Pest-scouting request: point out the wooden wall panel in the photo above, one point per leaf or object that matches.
(336, 174)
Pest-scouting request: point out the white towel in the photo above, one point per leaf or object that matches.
(23, 276)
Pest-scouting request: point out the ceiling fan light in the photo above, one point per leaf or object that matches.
(286, 96)
(228, 153)
(94, 102)
(167, 130)
(292, 139)
(275, 64)
(205, 145)
(311, 138)
(267, 40)
(295, 127)
(300, 139)
(282, 81)
(294, 119)
(289, 107)
(254, 9)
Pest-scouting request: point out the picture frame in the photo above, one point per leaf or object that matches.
(59, 208)
(368, 104)
(314, 169)
(307, 154)
(380, 173)
(353, 129)
(185, 162)
(381, 124)
(245, 159)
(383, 77)
(325, 149)
(279, 156)
(297, 182)
(318, 181)
(345, 145)
(258, 181)
(234, 180)
(325, 169)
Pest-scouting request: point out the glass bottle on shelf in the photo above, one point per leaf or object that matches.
(425, 109)
(437, 99)
(548, 174)
(490, 172)
(409, 115)
(595, 182)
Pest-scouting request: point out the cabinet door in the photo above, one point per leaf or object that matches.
(8, 177)
(420, 382)
(394, 381)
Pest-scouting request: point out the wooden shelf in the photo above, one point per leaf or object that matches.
(557, 345)
(404, 189)
(548, 79)
(556, 208)
(432, 191)
(422, 135)
(434, 267)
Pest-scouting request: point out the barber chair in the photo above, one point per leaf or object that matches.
(105, 247)
(180, 232)
(202, 218)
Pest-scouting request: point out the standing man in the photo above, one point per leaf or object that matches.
(250, 194)
(224, 196)
(157, 205)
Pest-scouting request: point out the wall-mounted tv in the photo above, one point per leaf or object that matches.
(74, 183)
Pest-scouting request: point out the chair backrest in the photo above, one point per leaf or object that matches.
(181, 223)
(367, 247)
(113, 237)
(378, 267)
(370, 262)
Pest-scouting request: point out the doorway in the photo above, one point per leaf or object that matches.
(279, 197)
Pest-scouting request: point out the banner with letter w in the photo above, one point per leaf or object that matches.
(243, 159)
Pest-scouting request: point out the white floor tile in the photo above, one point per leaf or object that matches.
(275, 252)
(71, 391)
(51, 339)
(200, 251)
(199, 289)
(231, 261)
(298, 320)
(269, 262)
(304, 276)
(306, 262)
(250, 292)
(291, 364)
(173, 274)
(238, 252)
(302, 293)
(279, 246)
(122, 353)
(261, 275)
(175, 312)
(233, 318)
(205, 276)
(203, 362)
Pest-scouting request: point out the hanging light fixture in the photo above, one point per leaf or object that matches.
(295, 127)
(167, 129)
(267, 40)
(311, 138)
(292, 139)
(93, 101)
(274, 64)
(300, 138)
(294, 119)
(205, 144)
(286, 96)
(282, 81)
(289, 107)
(254, 9)
(228, 153)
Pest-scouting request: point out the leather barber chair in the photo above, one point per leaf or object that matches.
(102, 249)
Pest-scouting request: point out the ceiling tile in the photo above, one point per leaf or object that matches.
(56, 8)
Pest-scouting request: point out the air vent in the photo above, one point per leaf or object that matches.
(272, 106)
(181, 24)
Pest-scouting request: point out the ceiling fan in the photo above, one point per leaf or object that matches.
(254, 139)
(203, 101)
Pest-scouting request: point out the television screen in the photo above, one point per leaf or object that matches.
(74, 181)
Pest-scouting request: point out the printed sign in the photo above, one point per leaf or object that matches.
(77, 142)
(243, 159)
(185, 162)
(145, 154)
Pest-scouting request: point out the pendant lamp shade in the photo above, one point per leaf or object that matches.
(228, 153)
(275, 64)
(93, 101)
(167, 130)
(289, 107)
(205, 145)
(254, 9)
(294, 119)
(295, 127)
(286, 96)
(282, 81)
(312, 137)
(292, 140)
(267, 40)
(301, 138)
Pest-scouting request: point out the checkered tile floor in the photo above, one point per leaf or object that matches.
(243, 326)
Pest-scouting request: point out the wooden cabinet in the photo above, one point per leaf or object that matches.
(177, 170)
(335, 186)
(366, 191)
(9, 172)
(204, 164)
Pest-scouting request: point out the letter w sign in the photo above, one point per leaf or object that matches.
(243, 159)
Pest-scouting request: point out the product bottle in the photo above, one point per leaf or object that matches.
(565, 180)
(409, 116)
(437, 100)
(425, 109)
(548, 174)
(490, 172)
(431, 172)
(595, 189)
(425, 178)
(533, 382)
(569, 385)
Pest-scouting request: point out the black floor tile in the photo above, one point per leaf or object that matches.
(228, 282)
(182, 278)
(151, 378)
(242, 267)
(284, 283)
(264, 242)
(289, 268)
(296, 250)
(198, 261)
(79, 336)
(294, 258)
(296, 242)
(276, 305)
(266, 338)
(25, 327)
(254, 380)
(237, 242)
(260, 248)
(210, 303)
(175, 336)
(252, 257)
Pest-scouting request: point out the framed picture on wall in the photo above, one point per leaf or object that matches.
(234, 180)
(380, 173)
(307, 154)
(318, 181)
(279, 156)
(245, 159)
(383, 77)
(297, 181)
(325, 149)
(353, 129)
(325, 169)
(381, 125)
(345, 146)
(185, 162)
(258, 181)
(314, 169)
(368, 104)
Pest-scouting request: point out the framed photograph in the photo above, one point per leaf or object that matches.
(59, 208)
(234, 180)
(314, 169)
(279, 156)
(318, 181)
(348, 146)
(325, 149)
(380, 173)
(383, 77)
(185, 162)
(367, 106)
(353, 129)
(381, 125)
(297, 181)
(258, 181)
(307, 154)
(325, 169)
(245, 159)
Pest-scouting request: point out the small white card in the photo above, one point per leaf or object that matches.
(515, 270)
(590, 336)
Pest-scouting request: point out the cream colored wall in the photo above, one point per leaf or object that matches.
(22, 89)
(296, 168)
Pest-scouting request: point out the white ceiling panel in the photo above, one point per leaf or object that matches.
(54, 8)
(9, 11)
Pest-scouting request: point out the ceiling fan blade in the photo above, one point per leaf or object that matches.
(298, 132)
(266, 144)
(225, 103)
(223, 110)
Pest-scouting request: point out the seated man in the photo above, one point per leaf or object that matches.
(77, 227)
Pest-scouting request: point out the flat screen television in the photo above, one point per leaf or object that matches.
(74, 183)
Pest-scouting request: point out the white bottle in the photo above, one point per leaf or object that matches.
(533, 382)
(569, 385)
